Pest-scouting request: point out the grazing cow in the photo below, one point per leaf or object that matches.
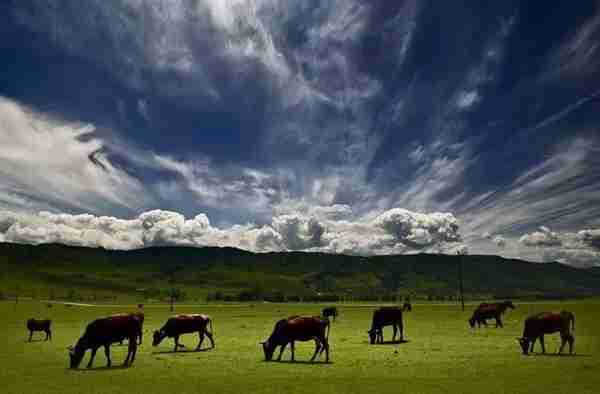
(490, 311)
(39, 325)
(297, 328)
(547, 323)
(330, 311)
(185, 324)
(386, 316)
(104, 332)
(140, 316)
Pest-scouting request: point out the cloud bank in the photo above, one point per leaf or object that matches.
(581, 248)
(393, 231)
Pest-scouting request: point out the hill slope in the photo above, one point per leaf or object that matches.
(55, 270)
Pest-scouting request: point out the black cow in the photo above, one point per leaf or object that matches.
(330, 311)
(386, 316)
(185, 324)
(104, 332)
(490, 311)
(297, 328)
(39, 325)
(548, 323)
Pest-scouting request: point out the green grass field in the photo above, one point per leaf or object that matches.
(442, 355)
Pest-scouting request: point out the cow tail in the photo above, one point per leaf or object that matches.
(210, 322)
(573, 322)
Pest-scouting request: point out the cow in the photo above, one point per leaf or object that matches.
(185, 324)
(104, 332)
(490, 311)
(298, 328)
(140, 316)
(547, 323)
(330, 311)
(39, 325)
(385, 316)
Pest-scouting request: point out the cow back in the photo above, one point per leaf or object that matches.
(299, 329)
(38, 325)
(185, 324)
(386, 316)
(111, 329)
(545, 323)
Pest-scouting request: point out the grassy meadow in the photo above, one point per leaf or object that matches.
(441, 355)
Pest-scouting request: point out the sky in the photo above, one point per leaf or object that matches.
(342, 126)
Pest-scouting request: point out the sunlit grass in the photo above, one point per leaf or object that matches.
(442, 354)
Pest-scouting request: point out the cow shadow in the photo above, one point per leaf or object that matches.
(397, 342)
(300, 362)
(101, 369)
(183, 351)
(565, 355)
(35, 340)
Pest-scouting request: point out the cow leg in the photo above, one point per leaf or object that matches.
(326, 346)
(317, 348)
(532, 344)
(201, 339)
(401, 327)
(94, 350)
(176, 338)
(380, 335)
(395, 328)
(30, 335)
(542, 343)
(49, 335)
(107, 354)
(563, 341)
(210, 338)
(131, 351)
(293, 349)
(281, 351)
(571, 340)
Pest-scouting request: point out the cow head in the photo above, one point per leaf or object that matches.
(509, 304)
(472, 322)
(268, 349)
(75, 356)
(524, 343)
(157, 337)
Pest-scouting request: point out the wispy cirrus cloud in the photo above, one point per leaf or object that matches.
(51, 162)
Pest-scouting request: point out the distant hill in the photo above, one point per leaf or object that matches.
(75, 272)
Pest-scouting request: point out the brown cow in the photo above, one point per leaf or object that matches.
(140, 316)
(297, 328)
(490, 311)
(104, 332)
(386, 316)
(547, 323)
(185, 324)
(39, 325)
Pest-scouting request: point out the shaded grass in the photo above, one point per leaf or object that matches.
(441, 354)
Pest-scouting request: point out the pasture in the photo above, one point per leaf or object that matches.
(441, 355)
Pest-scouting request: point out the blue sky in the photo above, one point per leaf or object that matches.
(366, 127)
